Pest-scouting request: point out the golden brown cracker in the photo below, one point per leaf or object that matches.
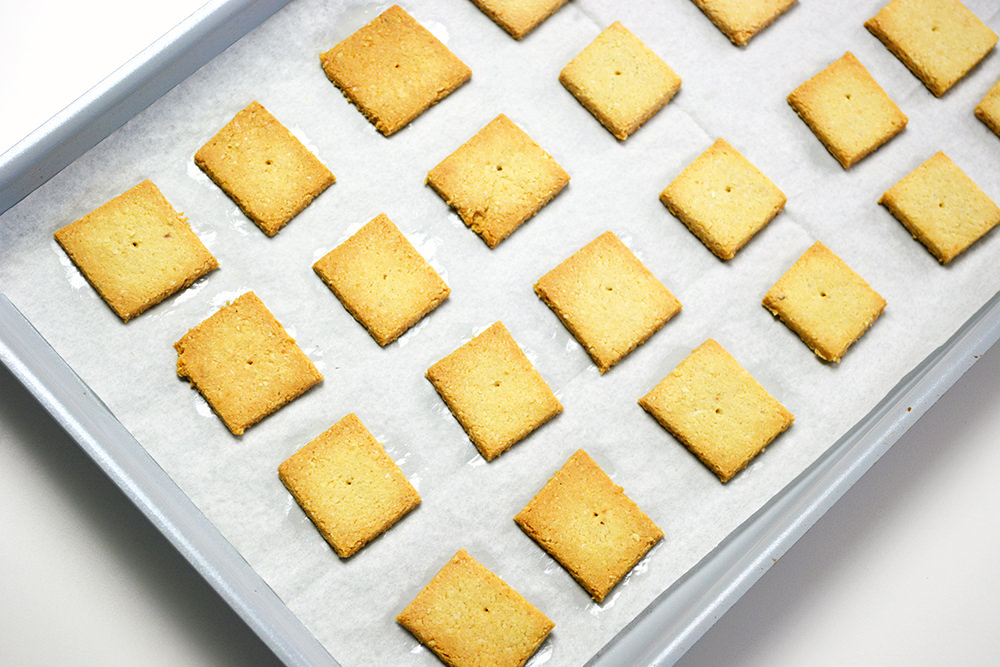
(136, 250)
(938, 40)
(942, 207)
(263, 168)
(519, 17)
(587, 523)
(825, 302)
(723, 199)
(244, 363)
(382, 280)
(847, 110)
(469, 616)
(988, 109)
(716, 409)
(620, 80)
(393, 69)
(348, 486)
(740, 20)
(494, 391)
(497, 180)
(607, 298)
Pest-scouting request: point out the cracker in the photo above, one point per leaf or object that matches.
(244, 363)
(263, 168)
(607, 298)
(847, 110)
(825, 302)
(620, 80)
(723, 199)
(348, 486)
(382, 280)
(717, 410)
(493, 390)
(469, 616)
(497, 180)
(136, 250)
(519, 17)
(740, 20)
(938, 40)
(988, 109)
(942, 207)
(393, 69)
(587, 523)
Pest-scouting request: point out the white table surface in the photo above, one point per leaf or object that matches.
(903, 570)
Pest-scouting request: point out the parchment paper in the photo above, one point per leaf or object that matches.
(738, 94)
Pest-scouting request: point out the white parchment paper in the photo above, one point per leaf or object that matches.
(738, 94)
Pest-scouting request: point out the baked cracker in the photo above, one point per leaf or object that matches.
(740, 20)
(825, 302)
(723, 199)
(847, 110)
(244, 363)
(940, 41)
(382, 280)
(620, 80)
(942, 207)
(497, 180)
(587, 523)
(988, 109)
(263, 168)
(519, 17)
(717, 410)
(469, 616)
(136, 250)
(493, 390)
(607, 298)
(348, 486)
(393, 69)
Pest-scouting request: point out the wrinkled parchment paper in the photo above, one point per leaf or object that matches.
(738, 94)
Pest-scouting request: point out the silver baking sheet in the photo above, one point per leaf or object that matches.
(218, 498)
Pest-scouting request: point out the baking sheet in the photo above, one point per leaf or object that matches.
(737, 94)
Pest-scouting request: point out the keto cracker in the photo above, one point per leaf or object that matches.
(716, 409)
(263, 168)
(493, 390)
(348, 486)
(469, 616)
(825, 302)
(244, 363)
(382, 280)
(136, 250)
(587, 523)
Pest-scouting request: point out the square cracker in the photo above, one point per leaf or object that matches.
(717, 410)
(587, 523)
(620, 80)
(382, 280)
(825, 302)
(263, 168)
(942, 207)
(988, 109)
(136, 250)
(740, 20)
(493, 390)
(393, 69)
(607, 298)
(469, 616)
(938, 40)
(497, 180)
(847, 110)
(244, 363)
(723, 199)
(348, 486)
(519, 17)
